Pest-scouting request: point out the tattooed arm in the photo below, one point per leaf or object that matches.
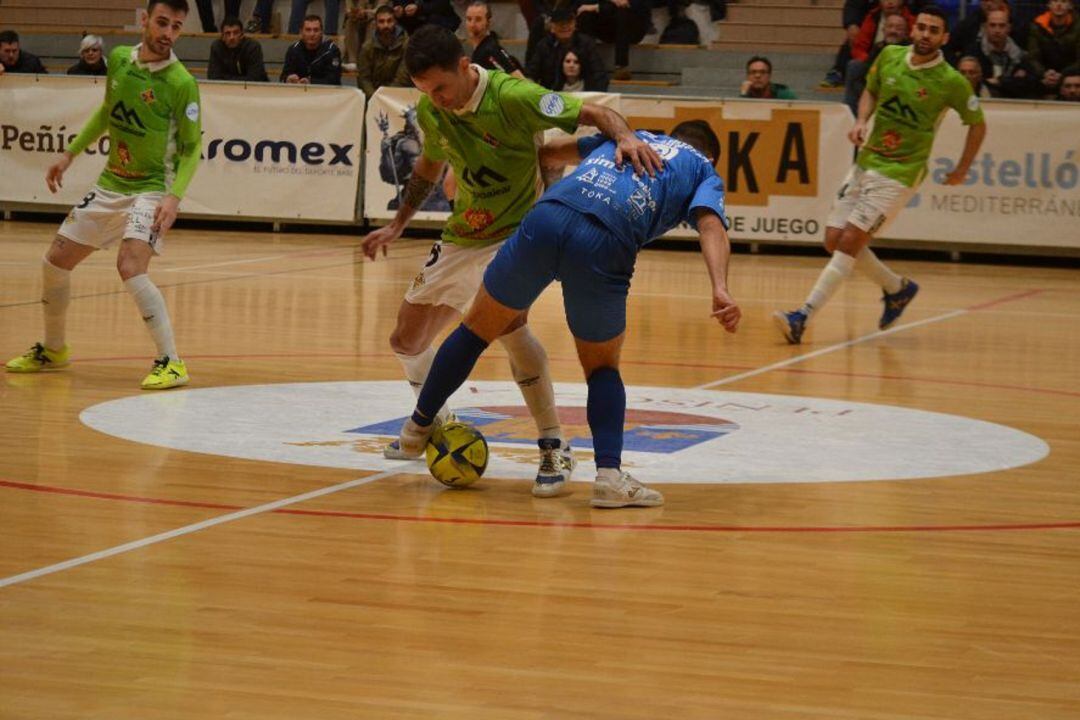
(424, 176)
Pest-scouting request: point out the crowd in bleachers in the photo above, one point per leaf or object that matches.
(1020, 51)
(1023, 51)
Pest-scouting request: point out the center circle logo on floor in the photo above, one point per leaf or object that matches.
(672, 434)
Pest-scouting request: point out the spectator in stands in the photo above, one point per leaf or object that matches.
(409, 14)
(260, 17)
(852, 17)
(546, 65)
(235, 57)
(1070, 86)
(1053, 43)
(15, 60)
(572, 79)
(358, 16)
(759, 84)
(896, 30)
(540, 24)
(382, 59)
(91, 57)
(970, 68)
(487, 52)
(314, 58)
(622, 22)
(297, 17)
(440, 12)
(206, 13)
(966, 32)
(1006, 70)
(872, 29)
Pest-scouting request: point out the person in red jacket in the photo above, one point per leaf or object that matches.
(873, 29)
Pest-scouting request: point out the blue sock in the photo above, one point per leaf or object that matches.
(606, 412)
(451, 367)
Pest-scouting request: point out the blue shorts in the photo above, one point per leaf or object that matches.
(556, 242)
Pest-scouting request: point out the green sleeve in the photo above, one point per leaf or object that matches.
(538, 108)
(786, 93)
(188, 116)
(962, 99)
(94, 128)
(433, 149)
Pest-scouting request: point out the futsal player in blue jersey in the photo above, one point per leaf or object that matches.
(586, 231)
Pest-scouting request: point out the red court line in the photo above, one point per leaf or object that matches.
(646, 527)
(1006, 299)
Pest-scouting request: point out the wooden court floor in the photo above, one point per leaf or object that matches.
(193, 593)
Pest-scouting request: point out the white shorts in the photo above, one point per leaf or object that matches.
(868, 200)
(451, 275)
(105, 217)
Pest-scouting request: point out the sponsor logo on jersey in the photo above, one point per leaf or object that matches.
(126, 116)
(490, 140)
(922, 93)
(481, 178)
(192, 111)
(891, 139)
(900, 110)
(552, 105)
(147, 96)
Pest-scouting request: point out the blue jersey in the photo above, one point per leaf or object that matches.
(641, 209)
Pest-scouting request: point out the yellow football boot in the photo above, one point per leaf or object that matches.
(167, 373)
(39, 358)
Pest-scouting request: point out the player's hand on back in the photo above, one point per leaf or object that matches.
(380, 238)
(54, 176)
(725, 310)
(640, 154)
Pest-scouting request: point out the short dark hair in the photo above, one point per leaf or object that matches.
(483, 4)
(432, 46)
(9, 36)
(313, 18)
(700, 136)
(177, 5)
(232, 21)
(384, 10)
(936, 12)
(759, 58)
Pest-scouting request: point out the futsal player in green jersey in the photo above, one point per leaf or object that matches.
(907, 90)
(152, 114)
(487, 125)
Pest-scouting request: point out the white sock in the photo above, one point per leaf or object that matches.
(151, 306)
(529, 364)
(416, 369)
(869, 265)
(838, 269)
(608, 474)
(55, 298)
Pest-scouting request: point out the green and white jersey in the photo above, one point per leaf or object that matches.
(911, 100)
(152, 114)
(491, 144)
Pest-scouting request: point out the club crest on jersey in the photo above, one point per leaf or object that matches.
(147, 96)
(479, 218)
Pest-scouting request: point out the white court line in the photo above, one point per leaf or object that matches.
(832, 348)
(189, 529)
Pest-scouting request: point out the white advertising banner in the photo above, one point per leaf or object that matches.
(1022, 189)
(393, 144)
(269, 150)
